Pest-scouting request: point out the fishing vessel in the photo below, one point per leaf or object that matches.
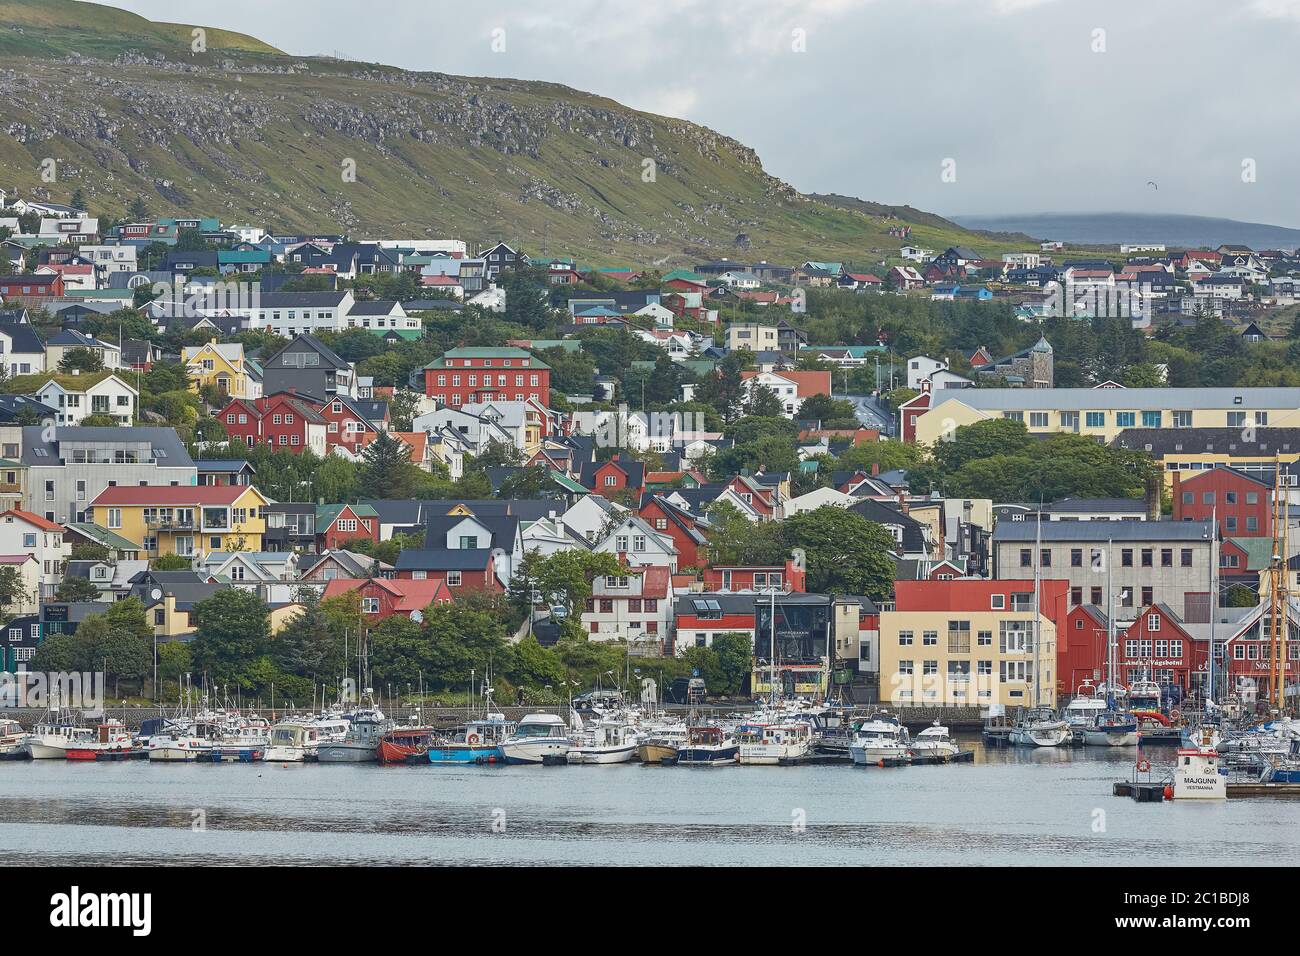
(538, 739)
(661, 743)
(1112, 729)
(773, 743)
(51, 739)
(110, 741)
(293, 741)
(1039, 727)
(832, 732)
(12, 736)
(176, 747)
(879, 738)
(1197, 776)
(707, 745)
(405, 744)
(360, 744)
(935, 743)
(479, 742)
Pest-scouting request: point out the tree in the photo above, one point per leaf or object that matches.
(386, 469)
(565, 577)
(138, 210)
(530, 484)
(305, 646)
(78, 199)
(171, 562)
(76, 589)
(735, 653)
(81, 360)
(337, 480)
(845, 553)
(12, 589)
(232, 628)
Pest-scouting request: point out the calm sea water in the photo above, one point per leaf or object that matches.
(1027, 807)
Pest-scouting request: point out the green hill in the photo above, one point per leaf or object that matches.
(250, 134)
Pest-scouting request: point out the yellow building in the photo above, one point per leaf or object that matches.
(752, 336)
(186, 520)
(223, 367)
(1103, 413)
(970, 643)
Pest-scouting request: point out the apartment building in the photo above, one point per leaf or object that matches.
(971, 642)
(184, 520)
(1103, 413)
(1143, 562)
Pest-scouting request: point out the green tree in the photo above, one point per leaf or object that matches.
(81, 360)
(565, 576)
(845, 553)
(735, 653)
(232, 628)
(138, 210)
(76, 589)
(386, 469)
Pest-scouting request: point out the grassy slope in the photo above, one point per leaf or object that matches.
(277, 160)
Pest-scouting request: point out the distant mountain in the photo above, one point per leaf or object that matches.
(242, 131)
(1121, 227)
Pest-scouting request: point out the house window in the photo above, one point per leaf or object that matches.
(1153, 623)
(370, 605)
(453, 579)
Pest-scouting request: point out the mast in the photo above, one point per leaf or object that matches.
(1214, 598)
(1038, 556)
(1110, 629)
(1284, 595)
(771, 689)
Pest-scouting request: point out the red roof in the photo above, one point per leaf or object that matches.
(171, 495)
(33, 519)
(409, 595)
(806, 383)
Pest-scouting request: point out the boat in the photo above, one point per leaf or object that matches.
(707, 745)
(479, 742)
(935, 743)
(1084, 708)
(660, 744)
(879, 739)
(832, 732)
(405, 744)
(773, 743)
(604, 741)
(1039, 727)
(1144, 695)
(12, 736)
(1112, 728)
(361, 742)
(538, 739)
(1197, 776)
(176, 747)
(51, 739)
(293, 741)
(110, 741)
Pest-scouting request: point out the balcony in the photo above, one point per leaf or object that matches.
(170, 524)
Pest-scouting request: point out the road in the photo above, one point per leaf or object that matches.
(870, 413)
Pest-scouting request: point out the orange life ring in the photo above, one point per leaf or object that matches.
(472, 739)
(1175, 714)
(1144, 765)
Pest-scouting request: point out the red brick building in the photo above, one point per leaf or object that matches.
(467, 376)
(1242, 502)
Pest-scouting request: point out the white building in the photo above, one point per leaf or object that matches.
(103, 394)
(22, 532)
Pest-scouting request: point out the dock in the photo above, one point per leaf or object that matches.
(1256, 789)
(1142, 791)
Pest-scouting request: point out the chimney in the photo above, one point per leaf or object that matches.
(1153, 497)
(875, 468)
(902, 502)
(1177, 494)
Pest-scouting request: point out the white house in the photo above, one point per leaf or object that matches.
(638, 545)
(21, 350)
(634, 607)
(815, 499)
(591, 517)
(102, 394)
(476, 432)
(107, 259)
(22, 532)
(920, 368)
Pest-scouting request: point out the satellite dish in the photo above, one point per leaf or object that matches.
(156, 594)
(417, 616)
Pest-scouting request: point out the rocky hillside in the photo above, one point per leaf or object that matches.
(244, 132)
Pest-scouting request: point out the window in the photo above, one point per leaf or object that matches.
(1166, 557)
(453, 579)
(904, 638)
(1182, 419)
(1185, 557)
(1147, 558)
(1148, 596)
(1125, 419)
(1026, 558)
(1126, 557)
(1151, 419)
(1095, 419)
(1076, 557)
(370, 605)
(1153, 623)
(115, 517)
(1038, 419)
(997, 602)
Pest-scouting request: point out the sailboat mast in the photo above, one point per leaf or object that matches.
(771, 689)
(1214, 596)
(1110, 627)
(1038, 557)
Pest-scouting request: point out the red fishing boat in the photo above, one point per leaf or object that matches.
(405, 743)
(112, 742)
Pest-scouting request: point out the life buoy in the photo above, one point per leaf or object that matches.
(1144, 765)
(1175, 714)
(472, 739)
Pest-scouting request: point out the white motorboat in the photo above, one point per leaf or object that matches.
(293, 741)
(607, 740)
(1085, 707)
(773, 743)
(1112, 729)
(539, 738)
(879, 739)
(935, 742)
(177, 747)
(1039, 727)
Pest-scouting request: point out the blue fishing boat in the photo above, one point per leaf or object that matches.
(478, 743)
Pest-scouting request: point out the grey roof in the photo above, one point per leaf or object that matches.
(1088, 505)
(164, 439)
(503, 528)
(223, 465)
(300, 300)
(404, 512)
(1192, 441)
(23, 337)
(11, 405)
(1120, 399)
(374, 307)
(446, 559)
(1025, 531)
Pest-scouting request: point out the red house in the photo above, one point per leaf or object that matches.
(43, 286)
(467, 569)
(467, 376)
(282, 420)
(683, 527)
(384, 597)
(620, 472)
(787, 577)
(337, 526)
(1156, 647)
(1242, 502)
(346, 425)
(912, 409)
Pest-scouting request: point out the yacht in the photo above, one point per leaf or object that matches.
(935, 742)
(660, 744)
(773, 743)
(178, 746)
(1085, 707)
(832, 732)
(1112, 728)
(879, 738)
(1040, 727)
(607, 740)
(539, 738)
(12, 736)
(707, 745)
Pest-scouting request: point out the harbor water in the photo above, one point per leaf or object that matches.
(1010, 807)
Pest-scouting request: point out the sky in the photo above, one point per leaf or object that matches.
(952, 106)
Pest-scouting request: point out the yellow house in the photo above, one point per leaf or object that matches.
(222, 366)
(1187, 451)
(187, 520)
(169, 622)
(1103, 413)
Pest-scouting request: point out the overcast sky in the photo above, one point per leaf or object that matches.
(1039, 109)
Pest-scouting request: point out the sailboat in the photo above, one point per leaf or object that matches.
(1039, 726)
